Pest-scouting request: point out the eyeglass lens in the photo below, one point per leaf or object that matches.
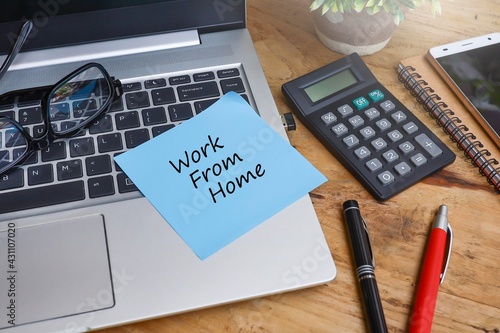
(71, 105)
(78, 99)
(13, 144)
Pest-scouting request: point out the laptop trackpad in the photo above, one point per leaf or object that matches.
(53, 270)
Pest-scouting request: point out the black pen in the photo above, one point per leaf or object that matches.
(365, 266)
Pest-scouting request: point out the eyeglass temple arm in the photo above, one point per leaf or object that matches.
(23, 34)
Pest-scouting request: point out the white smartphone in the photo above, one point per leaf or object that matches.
(472, 69)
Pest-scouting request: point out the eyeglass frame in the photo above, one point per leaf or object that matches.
(49, 135)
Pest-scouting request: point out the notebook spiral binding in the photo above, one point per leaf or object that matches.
(451, 125)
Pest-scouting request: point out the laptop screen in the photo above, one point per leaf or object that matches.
(70, 22)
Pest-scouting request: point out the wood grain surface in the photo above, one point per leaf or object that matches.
(469, 298)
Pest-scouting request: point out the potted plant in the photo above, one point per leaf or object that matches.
(362, 26)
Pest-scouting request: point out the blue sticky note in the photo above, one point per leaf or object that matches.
(219, 174)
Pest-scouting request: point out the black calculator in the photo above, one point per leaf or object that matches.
(363, 125)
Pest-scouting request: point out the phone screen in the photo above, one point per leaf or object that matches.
(477, 73)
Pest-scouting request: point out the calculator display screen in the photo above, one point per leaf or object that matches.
(331, 85)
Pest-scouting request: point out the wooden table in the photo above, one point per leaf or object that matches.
(469, 299)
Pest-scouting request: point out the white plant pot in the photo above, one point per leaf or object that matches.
(354, 32)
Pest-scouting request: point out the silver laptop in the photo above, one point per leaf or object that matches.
(80, 248)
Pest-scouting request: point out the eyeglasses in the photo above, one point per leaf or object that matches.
(21, 38)
(69, 106)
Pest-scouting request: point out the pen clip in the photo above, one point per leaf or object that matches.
(449, 242)
(365, 227)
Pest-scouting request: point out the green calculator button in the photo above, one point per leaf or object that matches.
(361, 103)
(376, 95)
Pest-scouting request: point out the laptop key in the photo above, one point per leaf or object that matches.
(81, 147)
(11, 114)
(149, 84)
(40, 174)
(203, 76)
(163, 96)
(97, 165)
(154, 116)
(42, 196)
(109, 142)
(7, 102)
(198, 91)
(126, 120)
(161, 129)
(133, 86)
(101, 186)
(32, 96)
(30, 116)
(203, 105)
(117, 105)
(234, 84)
(136, 137)
(102, 125)
(228, 73)
(12, 179)
(69, 170)
(181, 79)
(137, 100)
(56, 151)
(125, 184)
(180, 112)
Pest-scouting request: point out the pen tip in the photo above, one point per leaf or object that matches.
(350, 204)
(443, 210)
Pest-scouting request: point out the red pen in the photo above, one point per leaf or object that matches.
(433, 272)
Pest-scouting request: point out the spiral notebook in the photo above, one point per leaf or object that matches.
(439, 101)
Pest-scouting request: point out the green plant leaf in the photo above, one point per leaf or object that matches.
(316, 4)
(435, 7)
(326, 8)
(359, 5)
(411, 3)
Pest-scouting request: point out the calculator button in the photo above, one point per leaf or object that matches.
(386, 177)
(345, 110)
(418, 160)
(388, 106)
(356, 121)
(376, 95)
(329, 118)
(410, 128)
(425, 142)
(351, 141)
(367, 132)
(362, 152)
(372, 113)
(340, 129)
(361, 103)
(390, 156)
(406, 147)
(374, 164)
(383, 124)
(402, 168)
(398, 117)
(395, 136)
(379, 144)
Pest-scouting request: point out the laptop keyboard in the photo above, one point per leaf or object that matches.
(80, 170)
